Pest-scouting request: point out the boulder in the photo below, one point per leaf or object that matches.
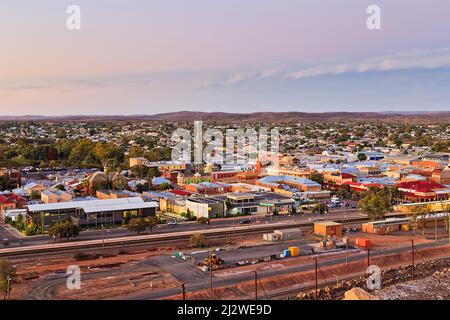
(359, 294)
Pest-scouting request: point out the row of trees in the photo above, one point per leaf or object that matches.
(64, 229)
(140, 224)
(75, 153)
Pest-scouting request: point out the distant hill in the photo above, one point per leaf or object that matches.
(412, 117)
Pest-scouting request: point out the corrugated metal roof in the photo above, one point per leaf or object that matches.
(83, 204)
(119, 207)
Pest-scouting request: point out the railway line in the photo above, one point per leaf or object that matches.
(168, 238)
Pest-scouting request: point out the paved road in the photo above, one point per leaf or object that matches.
(4, 234)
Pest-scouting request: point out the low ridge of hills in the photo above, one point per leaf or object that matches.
(429, 117)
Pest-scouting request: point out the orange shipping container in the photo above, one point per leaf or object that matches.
(295, 251)
(365, 243)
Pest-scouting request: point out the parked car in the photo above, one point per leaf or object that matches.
(172, 223)
(246, 221)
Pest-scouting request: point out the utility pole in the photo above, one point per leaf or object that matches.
(42, 223)
(435, 227)
(412, 252)
(8, 286)
(103, 242)
(210, 272)
(346, 248)
(317, 285)
(256, 285)
(183, 287)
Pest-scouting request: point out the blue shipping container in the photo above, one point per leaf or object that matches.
(287, 253)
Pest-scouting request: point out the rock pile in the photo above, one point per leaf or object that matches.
(389, 277)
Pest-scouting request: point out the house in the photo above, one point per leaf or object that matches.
(55, 196)
(441, 176)
(338, 178)
(114, 194)
(369, 170)
(32, 189)
(104, 180)
(11, 201)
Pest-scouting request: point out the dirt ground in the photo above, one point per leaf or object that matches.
(273, 285)
(133, 271)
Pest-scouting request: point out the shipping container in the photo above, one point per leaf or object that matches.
(294, 251)
(287, 253)
(364, 243)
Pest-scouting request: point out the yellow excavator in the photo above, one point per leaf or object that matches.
(212, 260)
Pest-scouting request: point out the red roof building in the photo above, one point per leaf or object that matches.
(361, 187)
(181, 193)
(422, 191)
(10, 201)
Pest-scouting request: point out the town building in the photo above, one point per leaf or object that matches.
(92, 213)
(422, 191)
(161, 166)
(209, 188)
(289, 183)
(205, 207)
(55, 196)
(11, 201)
(328, 228)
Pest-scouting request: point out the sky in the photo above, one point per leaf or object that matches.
(157, 56)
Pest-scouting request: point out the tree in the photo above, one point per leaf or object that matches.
(60, 187)
(104, 152)
(344, 192)
(204, 221)
(81, 153)
(137, 225)
(151, 222)
(317, 177)
(139, 171)
(7, 275)
(199, 240)
(375, 204)
(64, 229)
(416, 218)
(362, 156)
(20, 223)
(320, 208)
(4, 183)
(152, 173)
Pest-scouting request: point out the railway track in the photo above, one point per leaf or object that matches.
(164, 239)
